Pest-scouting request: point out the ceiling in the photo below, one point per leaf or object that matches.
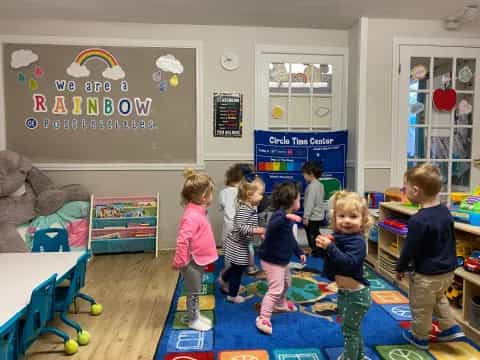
(336, 14)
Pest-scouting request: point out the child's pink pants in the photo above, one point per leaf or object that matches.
(279, 280)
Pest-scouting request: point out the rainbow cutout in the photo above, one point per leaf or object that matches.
(96, 53)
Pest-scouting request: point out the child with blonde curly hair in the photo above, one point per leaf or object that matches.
(345, 252)
(245, 226)
(227, 199)
(196, 246)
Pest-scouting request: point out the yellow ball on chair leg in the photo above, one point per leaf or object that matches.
(83, 337)
(96, 309)
(70, 347)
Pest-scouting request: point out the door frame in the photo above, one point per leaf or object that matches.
(396, 173)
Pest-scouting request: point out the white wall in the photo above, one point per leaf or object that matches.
(215, 39)
(352, 111)
(358, 37)
(381, 33)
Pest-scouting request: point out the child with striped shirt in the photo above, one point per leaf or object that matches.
(245, 226)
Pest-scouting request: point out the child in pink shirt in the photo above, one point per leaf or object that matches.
(195, 243)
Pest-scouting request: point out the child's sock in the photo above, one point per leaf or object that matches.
(205, 319)
(236, 299)
(199, 325)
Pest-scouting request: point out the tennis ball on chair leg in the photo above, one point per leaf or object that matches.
(83, 337)
(96, 309)
(70, 347)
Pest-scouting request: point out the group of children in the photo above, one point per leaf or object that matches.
(428, 254)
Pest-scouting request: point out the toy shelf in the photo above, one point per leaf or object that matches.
(124, 224)
(372, 240)
(388, 256)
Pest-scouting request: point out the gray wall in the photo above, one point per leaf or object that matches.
(219, 152)
(378, 140)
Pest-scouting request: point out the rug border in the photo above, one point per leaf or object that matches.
(167, 317)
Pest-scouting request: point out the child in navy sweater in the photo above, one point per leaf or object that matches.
(275, 253)
(430, 248)
(345, 251)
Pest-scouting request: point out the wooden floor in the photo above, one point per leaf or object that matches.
(135, 291)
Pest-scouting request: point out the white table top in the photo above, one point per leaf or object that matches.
(20, 273)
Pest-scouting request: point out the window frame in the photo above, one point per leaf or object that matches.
(262, 89)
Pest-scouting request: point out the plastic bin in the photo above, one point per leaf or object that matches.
(474, 316)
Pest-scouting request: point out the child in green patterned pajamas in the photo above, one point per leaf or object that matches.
(345, 252)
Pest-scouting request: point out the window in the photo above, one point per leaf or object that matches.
(300, 92)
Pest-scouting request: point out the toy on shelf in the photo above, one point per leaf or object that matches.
(374, 198)
(454, 292)
(393, 194)
(472, 263)
(397, 226)
(463, 249)
(468, 211)
(458, 197)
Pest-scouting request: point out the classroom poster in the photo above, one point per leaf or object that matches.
(279, 156)
(101, 104)
(227, 114)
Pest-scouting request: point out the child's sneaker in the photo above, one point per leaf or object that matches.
(199, 325)
(264, 325)
(236, 299)
(205, 319)
(412, 339)
(223, 285)
(252, 270)
(454, 332)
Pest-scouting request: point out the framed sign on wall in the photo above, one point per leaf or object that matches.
(227, 114)
(90, 104)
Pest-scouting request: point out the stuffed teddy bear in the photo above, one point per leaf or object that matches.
(25, 193)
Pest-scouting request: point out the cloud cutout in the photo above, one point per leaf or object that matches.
(22, 58)
(114, 73)
(77, 71)
(169, 63)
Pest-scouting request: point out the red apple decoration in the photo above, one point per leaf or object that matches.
(444, 99)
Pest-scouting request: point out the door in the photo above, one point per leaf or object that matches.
(438, 119)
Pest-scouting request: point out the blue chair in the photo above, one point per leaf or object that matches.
(8, 342)
(81, 271)
(65, 296)
(50, 240)
(39, 312)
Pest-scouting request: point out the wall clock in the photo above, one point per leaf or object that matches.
(230, 61)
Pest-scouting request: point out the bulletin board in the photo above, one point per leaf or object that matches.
(94, 105)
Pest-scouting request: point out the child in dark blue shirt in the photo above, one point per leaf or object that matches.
(430, 248)
(345, 252)
(275, 253)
